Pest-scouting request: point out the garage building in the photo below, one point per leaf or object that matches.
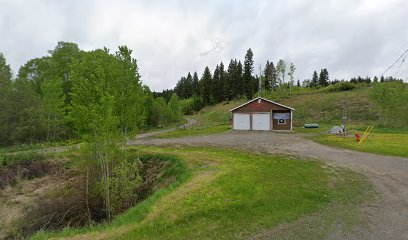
(262, 114)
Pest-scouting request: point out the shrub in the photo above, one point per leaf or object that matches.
(123, 185)
(340, 87)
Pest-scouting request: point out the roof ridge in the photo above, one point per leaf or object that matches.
(262, 99)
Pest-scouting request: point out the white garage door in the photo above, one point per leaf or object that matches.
(241, 121)
(261, 121)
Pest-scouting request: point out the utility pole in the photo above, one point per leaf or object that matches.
(344, 114)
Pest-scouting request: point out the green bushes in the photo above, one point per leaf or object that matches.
(123, 182)
(191, 105)
(340, 87)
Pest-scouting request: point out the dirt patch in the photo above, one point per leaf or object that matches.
(16, 200)
(26, 170)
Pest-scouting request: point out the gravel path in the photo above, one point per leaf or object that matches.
(189, 123)
(388, 217)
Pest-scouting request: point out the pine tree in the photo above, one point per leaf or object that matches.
(315, 80)
(188, 88)
(247, 74)
(196, 85)
(230, 84)
(223, 81)
(206, 86)
(267, 83)
(324, 78)
(274, 75)
(241, 82)
(217, 84)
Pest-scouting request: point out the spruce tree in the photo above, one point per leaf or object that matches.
(315, 80)
(223, 81)
(206, 86)
(247, 74)
(242, 84)
(267, 83)
(229, 86)
(196, 86)
(324, 78)
(218, 84)
(188, 86)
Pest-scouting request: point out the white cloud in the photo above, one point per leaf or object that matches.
(170, 38)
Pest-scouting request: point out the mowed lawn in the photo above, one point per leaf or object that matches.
(393, 144)
(233, 194)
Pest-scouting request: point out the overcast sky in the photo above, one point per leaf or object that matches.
(171, 38)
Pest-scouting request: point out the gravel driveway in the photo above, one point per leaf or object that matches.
(389, 175)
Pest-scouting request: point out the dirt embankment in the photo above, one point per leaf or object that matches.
(51, 197)
(21, 185)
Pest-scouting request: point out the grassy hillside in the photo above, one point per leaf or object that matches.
(311, 107)
(210, 120)
(321, 107)
(236, 194)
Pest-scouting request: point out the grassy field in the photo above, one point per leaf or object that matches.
(393, 142)
(236, 194)
(210, 120)
(381, 143)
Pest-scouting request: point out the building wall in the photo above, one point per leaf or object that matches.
(264, 106)
(288, 122)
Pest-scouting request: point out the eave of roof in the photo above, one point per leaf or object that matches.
(264, 100)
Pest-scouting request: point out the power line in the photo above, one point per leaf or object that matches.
(392, 65)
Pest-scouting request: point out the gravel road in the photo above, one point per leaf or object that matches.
(189, 123)
(388, 217)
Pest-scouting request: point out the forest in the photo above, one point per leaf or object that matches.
(49, 95)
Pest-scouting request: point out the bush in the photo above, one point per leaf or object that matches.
(340, 87)
(123, 183)
(187, 106)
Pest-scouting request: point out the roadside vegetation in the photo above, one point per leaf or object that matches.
(236, 194)
(57, 196)
(209, 120)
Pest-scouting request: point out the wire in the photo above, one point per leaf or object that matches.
(399, 68)
(392, 65)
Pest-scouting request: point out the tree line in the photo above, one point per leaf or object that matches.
(96, 96)
(235, 81)
(37, 105)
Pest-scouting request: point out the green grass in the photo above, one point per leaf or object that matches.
(195, 131)
(210, 120)
(321, 107)
(385, 141)
(377, 142)
(37, 146)
(232, 194)
(153, 129)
